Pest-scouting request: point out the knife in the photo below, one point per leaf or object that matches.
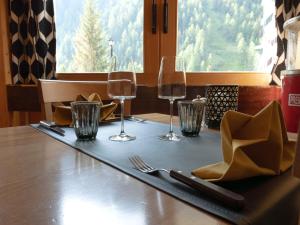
(52, 126)
(224, 196)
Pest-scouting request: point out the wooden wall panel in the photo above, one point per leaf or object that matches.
(23, 104)
(23, 98)
(4, 63)
(251, 99)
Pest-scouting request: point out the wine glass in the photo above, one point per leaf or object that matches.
(172, 86)
(122, 86)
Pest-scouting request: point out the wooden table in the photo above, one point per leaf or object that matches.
(43, 181)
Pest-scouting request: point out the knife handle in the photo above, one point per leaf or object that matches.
(52, 128)
(46, 123)
(224, 196)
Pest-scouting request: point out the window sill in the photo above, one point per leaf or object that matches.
(239, 78)
(198, 79)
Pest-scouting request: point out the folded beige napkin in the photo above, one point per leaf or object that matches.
(252, 146)
(62, 115)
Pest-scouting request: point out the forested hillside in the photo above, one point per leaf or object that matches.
(220, 35)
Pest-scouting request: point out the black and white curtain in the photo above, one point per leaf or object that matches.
(285, 9)
(33, 42)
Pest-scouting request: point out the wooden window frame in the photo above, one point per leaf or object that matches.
(159, 44)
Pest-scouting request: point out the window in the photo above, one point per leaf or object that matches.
(230, 38)
(226, 35)
(89, 32)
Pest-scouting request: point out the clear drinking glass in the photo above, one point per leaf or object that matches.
(121, 86)
(85, 119)
(171, 86)
(190, 117)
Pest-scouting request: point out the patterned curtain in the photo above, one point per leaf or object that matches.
(33, 46)
(285, 9)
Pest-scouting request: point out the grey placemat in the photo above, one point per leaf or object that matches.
(186, 155)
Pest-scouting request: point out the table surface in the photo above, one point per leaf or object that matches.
(43, 181)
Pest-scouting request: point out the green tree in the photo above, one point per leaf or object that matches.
(91, 49)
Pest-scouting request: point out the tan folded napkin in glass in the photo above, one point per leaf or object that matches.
(252, 146)
(62, 115)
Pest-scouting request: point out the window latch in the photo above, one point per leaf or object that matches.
(154, 16)
(165, 16)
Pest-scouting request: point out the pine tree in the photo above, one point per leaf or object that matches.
(91, 50)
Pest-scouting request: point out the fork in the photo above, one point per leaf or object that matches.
(140, 165)
(225, 196)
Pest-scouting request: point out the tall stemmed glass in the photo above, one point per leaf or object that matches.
(171, 86)
(122, 86)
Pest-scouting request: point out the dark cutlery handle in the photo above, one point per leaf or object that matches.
(224, 196)
(54, 129)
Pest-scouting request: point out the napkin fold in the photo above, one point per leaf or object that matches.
(62, 115)
(252, 146)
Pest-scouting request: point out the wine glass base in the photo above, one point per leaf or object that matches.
(170, 137)
(122, 137)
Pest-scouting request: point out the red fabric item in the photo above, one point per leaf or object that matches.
(290, 101)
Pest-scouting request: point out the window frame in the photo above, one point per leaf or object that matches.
(159, 44)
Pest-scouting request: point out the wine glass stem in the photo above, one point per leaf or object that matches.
(122, 116)
(171, 116)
